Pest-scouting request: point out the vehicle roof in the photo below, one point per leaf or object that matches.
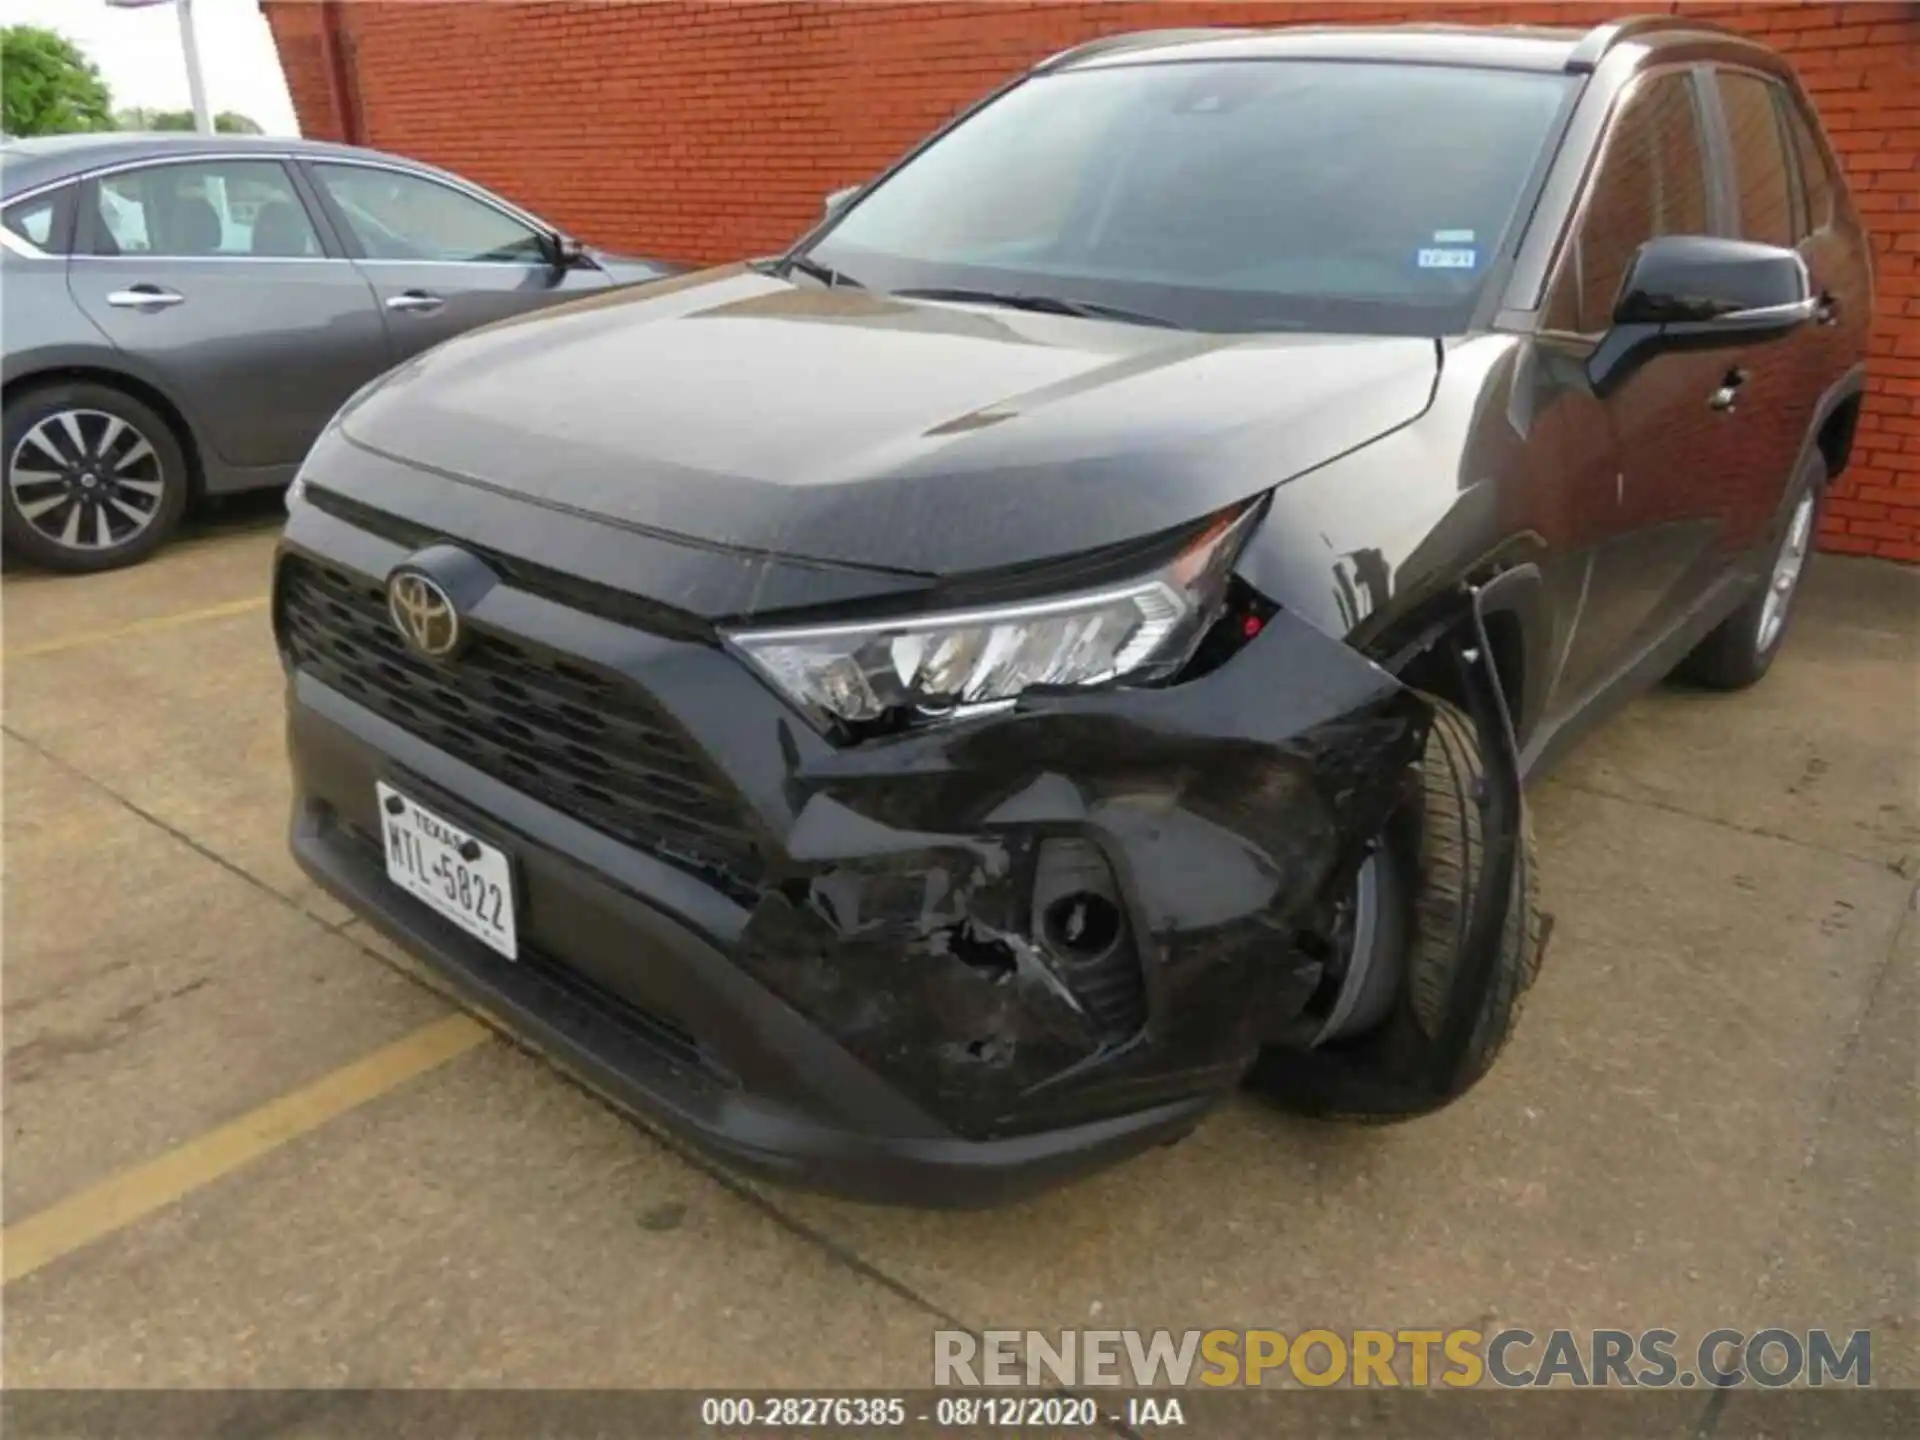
(29, 163)
(1503, 47)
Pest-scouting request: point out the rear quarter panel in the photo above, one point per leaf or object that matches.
(44, 329)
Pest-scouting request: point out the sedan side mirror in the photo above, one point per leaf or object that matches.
(1700, 292)
(563, 251)
(836, 200)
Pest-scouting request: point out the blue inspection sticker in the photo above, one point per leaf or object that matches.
(1448, 257)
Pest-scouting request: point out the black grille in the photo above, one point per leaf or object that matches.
(583, 742)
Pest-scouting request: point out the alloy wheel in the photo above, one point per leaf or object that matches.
(1787, 565)
(1371, 944)
(86, 480)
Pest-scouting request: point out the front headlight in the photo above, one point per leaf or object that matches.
(953, 662)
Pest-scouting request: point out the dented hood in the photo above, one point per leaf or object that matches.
(737, 409)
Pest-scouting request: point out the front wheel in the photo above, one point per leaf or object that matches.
(94, 478)
(1374, 1055)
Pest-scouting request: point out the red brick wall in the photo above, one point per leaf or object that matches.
(710, 131)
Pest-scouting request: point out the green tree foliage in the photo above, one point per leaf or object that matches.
(48, 86)
(227, 122)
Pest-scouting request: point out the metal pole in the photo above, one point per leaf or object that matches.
(196, 88)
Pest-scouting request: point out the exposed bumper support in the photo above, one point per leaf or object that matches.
(1501, 822)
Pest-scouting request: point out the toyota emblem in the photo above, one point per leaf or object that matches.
(423, 613)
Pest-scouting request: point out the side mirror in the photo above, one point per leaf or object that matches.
(563, 251)
(1699, 286)
(1697, 292)
(837, 199)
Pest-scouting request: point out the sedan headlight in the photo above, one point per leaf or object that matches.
(954, 662)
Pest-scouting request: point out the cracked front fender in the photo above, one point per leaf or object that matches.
(932, 881)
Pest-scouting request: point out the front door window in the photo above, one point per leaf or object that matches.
(396, 216)
(1652, 181)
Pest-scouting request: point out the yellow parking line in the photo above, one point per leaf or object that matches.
(136, 627)
(134, 1194)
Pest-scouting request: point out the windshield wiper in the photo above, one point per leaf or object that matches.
(1045, 304)
(825, 274)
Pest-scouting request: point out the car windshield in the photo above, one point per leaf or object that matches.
(1230, 196)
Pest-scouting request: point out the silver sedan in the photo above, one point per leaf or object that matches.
(185, 312)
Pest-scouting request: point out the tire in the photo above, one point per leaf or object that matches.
(84, 464)
(1385, 1072)
(1742, 647)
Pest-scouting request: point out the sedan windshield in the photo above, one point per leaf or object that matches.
(1230, 195)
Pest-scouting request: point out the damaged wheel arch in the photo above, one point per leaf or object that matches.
(1097, 898)
(1209, 814)
(1468, 901)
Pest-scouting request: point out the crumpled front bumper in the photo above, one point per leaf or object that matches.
(881, 1013)
(811, 1119)
(1225, 807)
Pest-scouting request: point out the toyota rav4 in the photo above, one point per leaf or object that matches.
(932, 713)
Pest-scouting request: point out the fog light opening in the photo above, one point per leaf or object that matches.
(1079, 923)
(1082, 924)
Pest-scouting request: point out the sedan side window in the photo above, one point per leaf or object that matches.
(1759, 158)
(204, 210)
(1652, 181)
(36, 220)
(396, 216)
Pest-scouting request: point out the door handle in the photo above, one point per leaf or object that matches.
(417, 301)
(144, 297)
(1729, 391)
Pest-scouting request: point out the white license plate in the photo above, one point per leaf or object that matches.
(461, 876)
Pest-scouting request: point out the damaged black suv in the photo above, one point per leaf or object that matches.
(930, 714)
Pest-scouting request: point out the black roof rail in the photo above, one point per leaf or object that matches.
(1140, 40)
(1595, 44)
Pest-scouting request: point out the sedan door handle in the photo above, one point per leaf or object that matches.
(418, 301)
(144, 297)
